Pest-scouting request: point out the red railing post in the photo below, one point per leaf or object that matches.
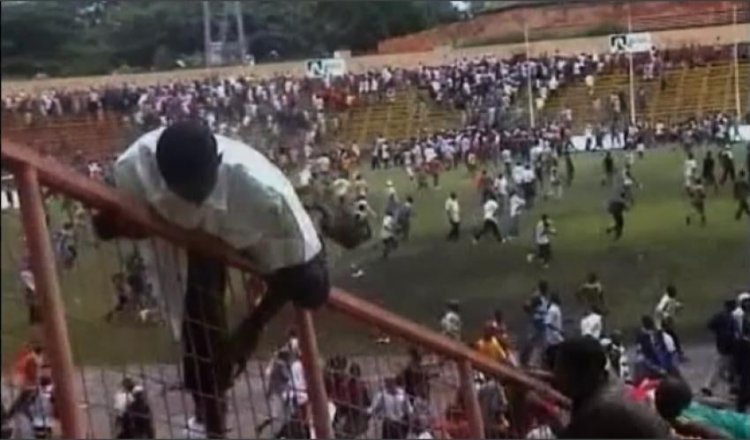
(471, 403)
(314, 375)
(56, 339)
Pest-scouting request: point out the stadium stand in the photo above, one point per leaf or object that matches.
(687, 92)
(84, 393)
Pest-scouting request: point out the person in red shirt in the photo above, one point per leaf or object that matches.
(26, 374)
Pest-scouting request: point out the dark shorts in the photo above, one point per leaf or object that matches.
(307, 285)
(544, 251)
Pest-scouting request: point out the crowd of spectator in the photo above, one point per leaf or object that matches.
(607, 389)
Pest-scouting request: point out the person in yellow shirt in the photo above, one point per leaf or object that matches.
(490, 346)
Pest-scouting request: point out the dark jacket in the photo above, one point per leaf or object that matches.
(724, 328)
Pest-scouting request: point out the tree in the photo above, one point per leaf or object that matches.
(75, 37)
(35, 38)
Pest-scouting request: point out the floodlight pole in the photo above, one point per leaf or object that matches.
(630, 67)
(737, 100)
(206, 33)
(532, 115)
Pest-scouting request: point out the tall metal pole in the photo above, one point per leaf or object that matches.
(630, 68)
(206, 33)
(56, 339)
(737, 100)
(473, 410)
(224, 25)
(241, 42)
(532, 115)
(314, 375)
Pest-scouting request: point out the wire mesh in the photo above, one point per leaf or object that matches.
(124, 308)
(125, 302)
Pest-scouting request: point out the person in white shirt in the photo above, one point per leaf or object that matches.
(500, 188)
(123, 397)
(528, 185)
(553, 329)
(690, 169)
(451, 323)
(518, 174)
(453, 210)
(200, 181)
(543, 232)
(489, 212)
(738, 314)
(590, 83)
(388, 234)
(666, 313)
(392, 405)
(515, 208)
(592, 324)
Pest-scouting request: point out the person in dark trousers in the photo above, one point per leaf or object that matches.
(726, 159)
(709, 171)
(617, 207)
(724, 328)
(137, 421)
(697, 195)
(415, 377)
(655, 360)
(741, 194)
(403, 218)
(570, 169)
(609, 169)
(453, 211)
(489, 225)
(225, 188)
(666, 312)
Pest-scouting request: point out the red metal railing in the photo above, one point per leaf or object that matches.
(31, 171)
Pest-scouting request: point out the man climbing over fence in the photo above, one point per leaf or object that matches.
(228, 189)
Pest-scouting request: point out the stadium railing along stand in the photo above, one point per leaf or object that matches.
(84, 384)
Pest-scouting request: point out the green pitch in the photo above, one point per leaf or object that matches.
(706, 264)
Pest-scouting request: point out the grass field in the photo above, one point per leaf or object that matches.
(706, 264)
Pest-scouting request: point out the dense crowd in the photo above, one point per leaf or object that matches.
(613, 394)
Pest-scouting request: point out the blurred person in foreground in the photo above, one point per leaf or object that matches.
(742, 355)
(674, 401)
(600, 407)
(213, 184)
(724, 329)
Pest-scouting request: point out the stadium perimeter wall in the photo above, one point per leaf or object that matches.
(566, 19)
(440, 55)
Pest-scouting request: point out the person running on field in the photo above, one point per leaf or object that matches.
(726, 159)
(709, 171)
(608, 164)
(453, 211)
(543, 232)
(388, 234)
(403, 218)
(617, 207)
(489, 224)
(697, 196)
(741, 194)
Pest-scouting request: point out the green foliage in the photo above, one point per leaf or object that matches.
(89, 37)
